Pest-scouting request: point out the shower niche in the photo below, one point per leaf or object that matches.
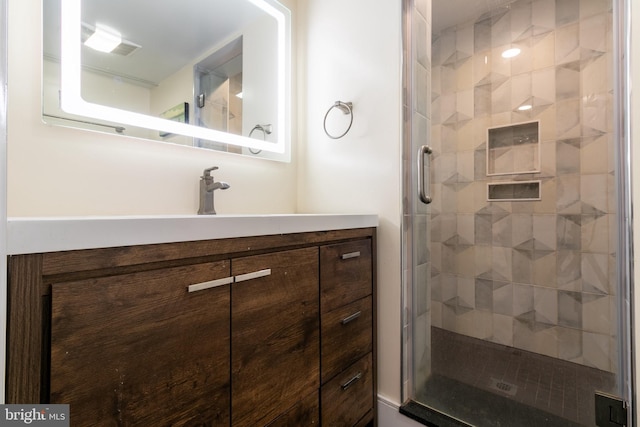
(513, 191)
(513, 149)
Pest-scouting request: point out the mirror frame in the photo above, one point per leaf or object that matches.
(71, 100)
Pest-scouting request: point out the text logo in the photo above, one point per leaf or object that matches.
(34, 415)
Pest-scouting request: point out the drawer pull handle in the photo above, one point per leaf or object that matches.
(351, 318)
(349, 383)
(210, 284)
(254, 275)
(350, 255)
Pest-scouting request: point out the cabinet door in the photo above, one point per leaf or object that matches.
(305, 413)
(139, 349)
(275, 334)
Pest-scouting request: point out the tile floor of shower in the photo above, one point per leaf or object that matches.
(489, 384)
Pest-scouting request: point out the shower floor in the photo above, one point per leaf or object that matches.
(489, 384)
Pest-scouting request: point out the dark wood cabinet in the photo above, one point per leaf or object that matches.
(141, 350)
(304, 413)
(275, 338)
(347, 325)
(260, 331)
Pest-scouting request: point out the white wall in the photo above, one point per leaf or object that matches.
(58, 171)
(352, 52)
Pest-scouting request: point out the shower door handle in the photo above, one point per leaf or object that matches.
(424, 151)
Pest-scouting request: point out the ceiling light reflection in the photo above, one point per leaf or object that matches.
(104, 39)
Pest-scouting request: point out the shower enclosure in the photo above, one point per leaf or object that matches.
(516, 253)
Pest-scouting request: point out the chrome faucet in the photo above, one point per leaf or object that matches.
(207, 187)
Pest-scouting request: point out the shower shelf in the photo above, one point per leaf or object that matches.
(513, 191)
(513, 149)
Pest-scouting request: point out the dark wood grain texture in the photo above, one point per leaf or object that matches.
(26, 329)
(348, 307)
(347, 406)
(344, 280)
(344, 343)
(304, 413)
(275, 343)
(138, 349)
(128, 280)
(65, 262)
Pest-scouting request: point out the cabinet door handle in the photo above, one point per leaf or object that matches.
(350, 255)
(210, 284)
(349, 383)
(254, 275)
(351, 318)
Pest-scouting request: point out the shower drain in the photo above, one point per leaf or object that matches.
(502, 386)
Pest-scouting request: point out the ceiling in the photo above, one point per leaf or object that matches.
(447, 13)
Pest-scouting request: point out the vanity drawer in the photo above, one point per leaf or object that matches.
(346, 336)
(347, 398)
(345, 273)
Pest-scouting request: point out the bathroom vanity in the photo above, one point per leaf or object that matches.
(259, 320)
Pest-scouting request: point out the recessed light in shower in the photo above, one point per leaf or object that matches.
(510, 53)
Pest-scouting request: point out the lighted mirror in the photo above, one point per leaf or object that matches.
(207, 73)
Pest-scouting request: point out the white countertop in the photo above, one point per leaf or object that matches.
(51, 234)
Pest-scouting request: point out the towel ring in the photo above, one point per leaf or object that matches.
(265, 129)
(346, 108)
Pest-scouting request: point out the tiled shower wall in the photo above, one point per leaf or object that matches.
(535, 275)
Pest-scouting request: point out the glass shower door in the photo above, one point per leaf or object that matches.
(516, 274)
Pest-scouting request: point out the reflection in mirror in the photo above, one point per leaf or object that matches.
(218, 91)
(195, 72)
